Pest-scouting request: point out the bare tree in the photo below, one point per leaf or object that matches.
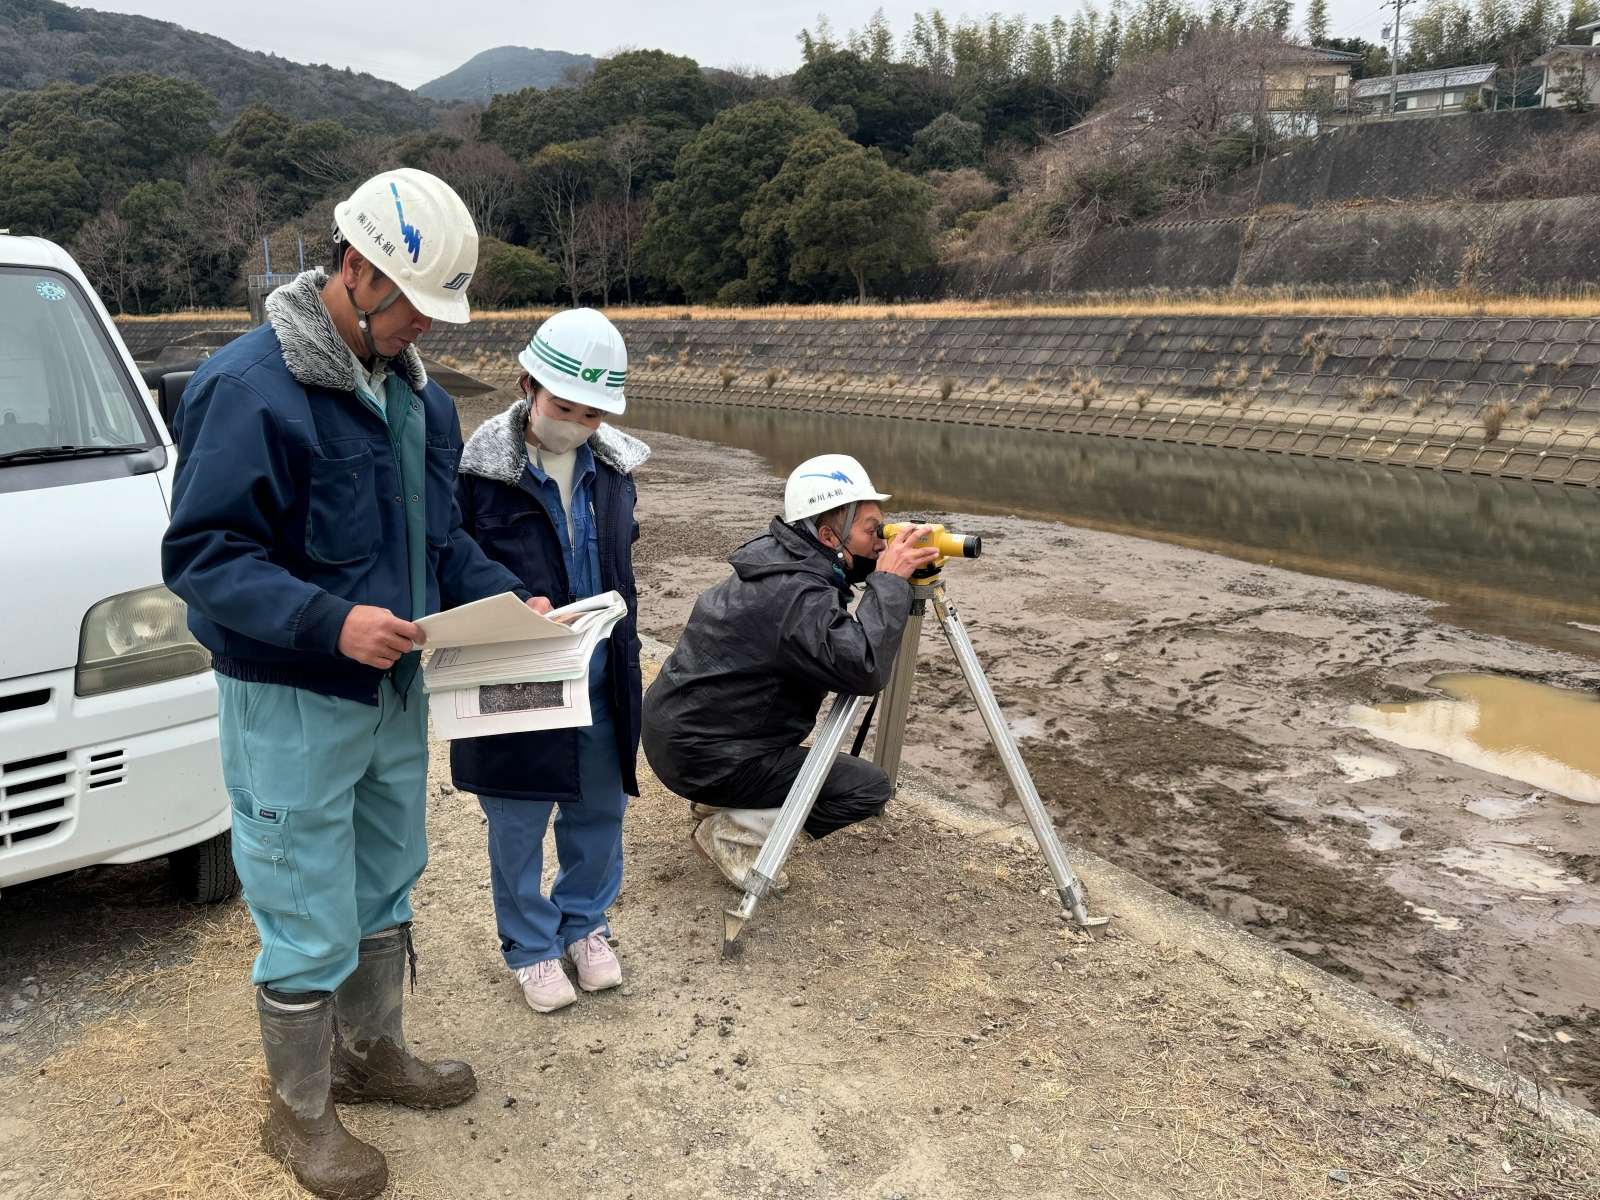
(557, 179)
(739, 84)
(484, 176)
(103, 249)
(359, 158)
(627, 151)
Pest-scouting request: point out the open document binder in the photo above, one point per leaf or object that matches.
(499, 667)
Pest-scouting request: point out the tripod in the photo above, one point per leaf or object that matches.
(886, 753)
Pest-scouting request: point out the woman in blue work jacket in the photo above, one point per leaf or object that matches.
(547, 489)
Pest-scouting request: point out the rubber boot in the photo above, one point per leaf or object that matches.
(731, 838)
(302, 1129)
(370, 1059)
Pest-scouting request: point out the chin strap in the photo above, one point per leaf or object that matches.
(363, 313)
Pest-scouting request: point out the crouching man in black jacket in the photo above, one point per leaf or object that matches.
(724, 720)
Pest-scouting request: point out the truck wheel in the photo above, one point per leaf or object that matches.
(204, 874)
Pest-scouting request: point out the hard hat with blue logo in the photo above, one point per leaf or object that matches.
(579, 355)
(413, 228)
(824, 483)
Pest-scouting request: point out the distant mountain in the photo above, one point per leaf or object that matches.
(505, 69)
(42, 42)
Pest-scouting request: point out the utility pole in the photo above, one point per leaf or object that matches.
(1394, 54)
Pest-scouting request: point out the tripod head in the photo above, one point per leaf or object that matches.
(950, 545)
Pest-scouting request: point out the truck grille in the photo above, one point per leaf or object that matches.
(36, 797)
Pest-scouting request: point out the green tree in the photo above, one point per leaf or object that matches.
(650, 85)
(765, 242)
(254, 142)
(692, 240)
(511, 276)
(43, 197)
(151, 120)
(1317, 22)
(859, 218)
(946, 143)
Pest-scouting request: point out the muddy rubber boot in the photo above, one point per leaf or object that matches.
(370, 1061)
(302, 1129)
(731, 838)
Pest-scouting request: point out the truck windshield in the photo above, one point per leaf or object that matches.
(62, 393)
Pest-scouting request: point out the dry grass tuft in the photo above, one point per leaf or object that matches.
(993, 385)
(1494, 419)
(1142, 397)
(891, 380)
(1031, 387)
(683, 357)
(1265, 344)
(1535, 406)
(727, 375)
(652, 361)
(1266, 372)
(1564, 365)
(771, 377)
(946, 386)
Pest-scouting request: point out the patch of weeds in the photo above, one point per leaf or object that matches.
(1494, 419)
(946, 385)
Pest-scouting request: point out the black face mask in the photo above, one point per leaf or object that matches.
(859, 569)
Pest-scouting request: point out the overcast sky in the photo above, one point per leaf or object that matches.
(413, 41)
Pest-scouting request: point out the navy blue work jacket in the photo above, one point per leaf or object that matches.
(516, 525)
(288, 511)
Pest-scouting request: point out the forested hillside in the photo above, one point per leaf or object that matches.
(652, 179)
(42, 42)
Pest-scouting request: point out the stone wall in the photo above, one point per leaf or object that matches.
(1402, 391)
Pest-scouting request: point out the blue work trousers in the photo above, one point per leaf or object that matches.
(329, 820)
(534, 927)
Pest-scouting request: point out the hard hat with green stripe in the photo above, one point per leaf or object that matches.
(579, 356)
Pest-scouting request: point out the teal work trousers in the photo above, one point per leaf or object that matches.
(329, 821)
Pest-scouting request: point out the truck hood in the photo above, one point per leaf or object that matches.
(63, 550)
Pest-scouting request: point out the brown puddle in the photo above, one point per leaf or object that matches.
(1545, 736)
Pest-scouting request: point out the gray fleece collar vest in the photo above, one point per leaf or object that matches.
(498, 451)
(313, 350)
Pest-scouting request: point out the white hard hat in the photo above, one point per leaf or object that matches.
(826, 482)
(413, 228)
(578, 354)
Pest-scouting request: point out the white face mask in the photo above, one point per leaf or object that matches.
(558, 437)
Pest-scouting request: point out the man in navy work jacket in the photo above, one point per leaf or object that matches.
(314, 521)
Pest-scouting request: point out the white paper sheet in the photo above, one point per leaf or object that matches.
(501, 618)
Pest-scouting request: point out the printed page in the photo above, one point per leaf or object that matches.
(509, 708)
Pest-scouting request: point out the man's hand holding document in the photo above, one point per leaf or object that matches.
(500, 667)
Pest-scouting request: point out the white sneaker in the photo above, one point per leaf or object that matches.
(598, 968)
(731, 839)
(545, 986)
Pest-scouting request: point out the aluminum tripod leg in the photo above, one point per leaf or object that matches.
(796, 808)
(1068, 886)
(897, 697)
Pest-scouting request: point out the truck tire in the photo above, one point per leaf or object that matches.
(204, 874)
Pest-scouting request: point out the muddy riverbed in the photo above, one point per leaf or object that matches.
(1188, 716)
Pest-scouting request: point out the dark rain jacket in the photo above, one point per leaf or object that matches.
(760, 653)
(289, 508)
(504, 510)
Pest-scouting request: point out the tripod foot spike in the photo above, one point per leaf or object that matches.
(733, 920)
(1076, 903)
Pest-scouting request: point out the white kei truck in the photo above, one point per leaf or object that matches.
(108, 709)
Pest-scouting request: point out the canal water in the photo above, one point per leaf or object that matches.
(1503, 556)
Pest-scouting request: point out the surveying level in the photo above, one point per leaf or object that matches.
(926, 585)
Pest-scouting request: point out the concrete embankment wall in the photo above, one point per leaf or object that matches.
(1402, 391)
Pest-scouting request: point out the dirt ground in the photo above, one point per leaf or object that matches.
(1187, 716)
(914, 1019)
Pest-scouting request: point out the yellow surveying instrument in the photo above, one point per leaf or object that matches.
(926, 584)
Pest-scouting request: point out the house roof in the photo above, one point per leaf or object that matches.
(1425, 81)
(1324, 54)
(1557, 53)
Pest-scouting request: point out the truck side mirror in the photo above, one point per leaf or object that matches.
(169, 392)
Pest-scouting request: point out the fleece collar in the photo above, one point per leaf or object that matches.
(313, 350)
(498, 449)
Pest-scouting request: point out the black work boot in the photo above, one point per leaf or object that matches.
(370, 1061)
(302, 1129)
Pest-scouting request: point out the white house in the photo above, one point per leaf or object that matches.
(1569, 68)
(1427, 93)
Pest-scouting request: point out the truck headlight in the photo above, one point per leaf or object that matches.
(135, 639)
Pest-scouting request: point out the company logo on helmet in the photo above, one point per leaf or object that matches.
(839, 475)
(590, 374)
(459, 282)
(413, 238)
